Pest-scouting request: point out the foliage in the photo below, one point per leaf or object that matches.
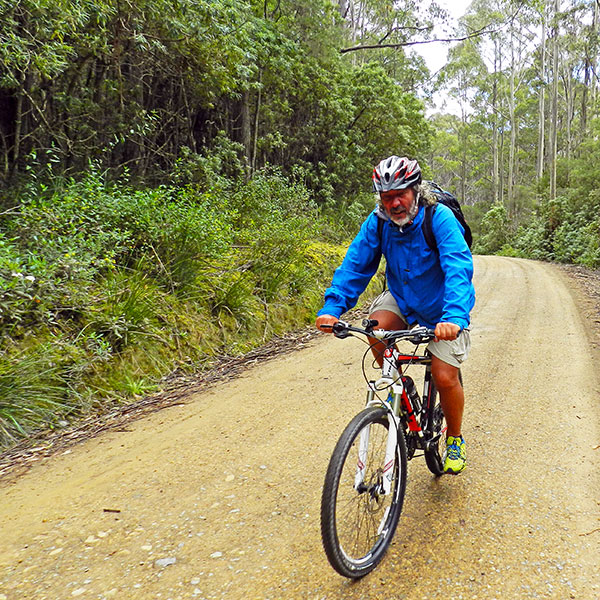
(196, 89)
(178, 179)
(105, 288)
(557, 233)
(33, 389)
(525, 133)
(493, 230)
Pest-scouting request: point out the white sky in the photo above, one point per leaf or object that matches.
(436, 54)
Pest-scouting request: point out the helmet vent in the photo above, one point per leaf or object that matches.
(396, 173)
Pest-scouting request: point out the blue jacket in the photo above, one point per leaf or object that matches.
(429, 286)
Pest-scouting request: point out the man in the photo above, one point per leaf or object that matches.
(431, 287)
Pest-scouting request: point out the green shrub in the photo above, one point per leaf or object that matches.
(557, 232)
(494, 231)
(533, 241)
(578, 242)
(18, 286)
(106, 289)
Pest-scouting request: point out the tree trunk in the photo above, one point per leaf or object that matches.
(542, 101)
(513, 126)
(19, 124)
(344, 6)
(570, 110)
(256, 122)
(495, 137)
(588, 70)
(554, 117)
(246, 131)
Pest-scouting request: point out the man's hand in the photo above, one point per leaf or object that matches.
(326, 322)
(446, 331)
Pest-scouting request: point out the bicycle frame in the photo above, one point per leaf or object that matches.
(402, 406)
(363, 495)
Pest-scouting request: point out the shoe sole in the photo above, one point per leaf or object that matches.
(453, 472)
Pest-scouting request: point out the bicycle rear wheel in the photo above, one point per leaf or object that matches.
(358, 519)
(436, 427)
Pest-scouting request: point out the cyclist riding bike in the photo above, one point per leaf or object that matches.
(430, 287)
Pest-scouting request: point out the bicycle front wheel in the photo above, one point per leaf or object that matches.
(358, 514)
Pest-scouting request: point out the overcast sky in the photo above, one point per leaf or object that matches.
(436, 54)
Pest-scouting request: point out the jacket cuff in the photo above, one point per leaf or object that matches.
(334, 311)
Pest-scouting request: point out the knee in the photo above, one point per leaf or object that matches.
(445, 376)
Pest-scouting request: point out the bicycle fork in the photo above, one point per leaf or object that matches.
(390, 379)
(387, 474)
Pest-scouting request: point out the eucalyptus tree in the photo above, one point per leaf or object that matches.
(126, 81)
(591, 52)
(465, 68)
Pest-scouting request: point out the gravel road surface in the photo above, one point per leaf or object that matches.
(219, 497)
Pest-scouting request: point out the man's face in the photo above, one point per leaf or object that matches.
(400, 205)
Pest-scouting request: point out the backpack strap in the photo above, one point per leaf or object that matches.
(428, 226)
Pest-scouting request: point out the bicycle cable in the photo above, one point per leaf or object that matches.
(401, 371)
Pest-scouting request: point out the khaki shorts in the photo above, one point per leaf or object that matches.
(453, 352)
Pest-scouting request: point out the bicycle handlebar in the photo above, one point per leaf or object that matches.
(417, 335)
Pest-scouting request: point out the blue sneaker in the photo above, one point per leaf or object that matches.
(455, 457)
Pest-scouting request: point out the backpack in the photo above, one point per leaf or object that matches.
(447, 199)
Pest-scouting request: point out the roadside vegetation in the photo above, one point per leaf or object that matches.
(105, 289)
(177, 180)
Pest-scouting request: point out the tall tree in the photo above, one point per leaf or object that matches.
(542, 93)
(554, 111)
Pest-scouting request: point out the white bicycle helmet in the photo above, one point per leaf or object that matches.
(396, 173)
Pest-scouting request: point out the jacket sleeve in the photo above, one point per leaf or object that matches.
(358, 267)
(457, 264)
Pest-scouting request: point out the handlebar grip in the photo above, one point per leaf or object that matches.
(370, 324)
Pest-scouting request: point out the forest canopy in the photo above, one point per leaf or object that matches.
(159, 87)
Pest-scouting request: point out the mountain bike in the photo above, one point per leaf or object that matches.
(366, 479)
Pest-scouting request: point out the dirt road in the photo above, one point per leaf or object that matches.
(219, 498)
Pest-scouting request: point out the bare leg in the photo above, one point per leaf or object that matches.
(387, 320)
(451, 392)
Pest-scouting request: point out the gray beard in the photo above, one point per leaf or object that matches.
(410, 215)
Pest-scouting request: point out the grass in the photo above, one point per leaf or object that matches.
(33, 390)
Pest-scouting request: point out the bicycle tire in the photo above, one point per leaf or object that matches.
(436, 427)
(357, 525)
